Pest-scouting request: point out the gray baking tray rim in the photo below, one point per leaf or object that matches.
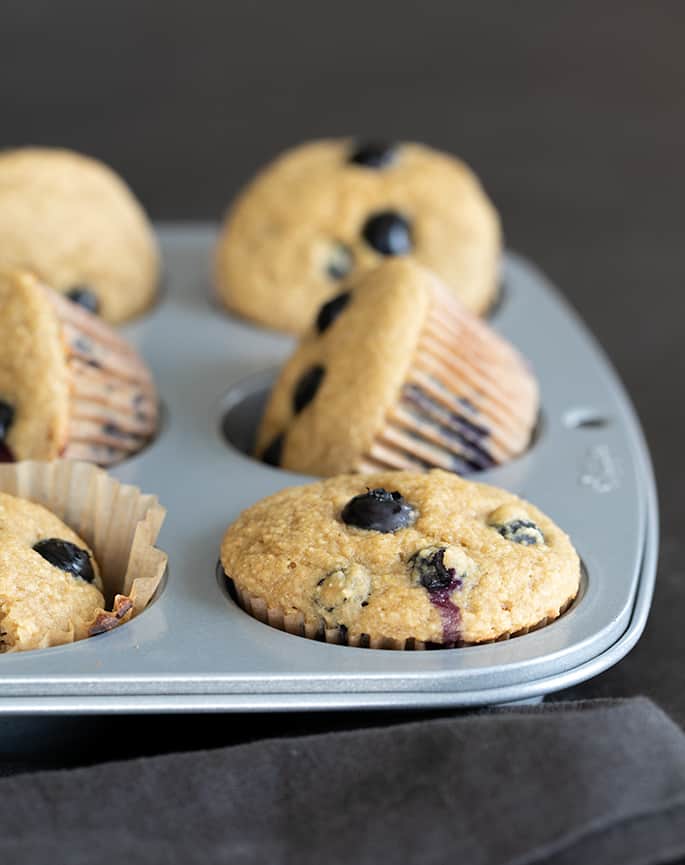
(193, 649)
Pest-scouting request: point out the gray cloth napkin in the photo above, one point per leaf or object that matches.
(596, 782)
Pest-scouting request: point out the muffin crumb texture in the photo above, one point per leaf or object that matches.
(50, 585)
(449, 576)
(74, 223)
(332, 209)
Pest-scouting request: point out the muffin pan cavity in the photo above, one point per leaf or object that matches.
(242, 409)
(195, 650)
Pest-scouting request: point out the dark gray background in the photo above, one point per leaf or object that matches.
(572, 113)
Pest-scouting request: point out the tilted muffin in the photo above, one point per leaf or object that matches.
(396, 374)
(50, 586)
(329, 209)
(74, 223)
(400, 560)
(69, 385)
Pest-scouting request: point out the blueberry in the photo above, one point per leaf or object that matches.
(340, 263)
(429, 567)
(342, 592)
(373, 154)
(379, 511)
(307, 386)
(441, 569)
(111, 429)
(522, 532)
(67, 557)
(331, 310)
(6, 418)
(85, 297)
(272, 453)
(388, 232)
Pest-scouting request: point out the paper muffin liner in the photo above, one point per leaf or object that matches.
(296, 624)
(118, 522)
(469, 400)
(113, 411)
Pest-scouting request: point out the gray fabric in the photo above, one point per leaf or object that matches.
(595, 782)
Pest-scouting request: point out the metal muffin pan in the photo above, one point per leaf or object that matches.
(193, 649)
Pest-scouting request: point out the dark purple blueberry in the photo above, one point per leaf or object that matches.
(271, 455)
(111, 429)
(85, 297)
(378, 511)
(340, 262)
(6, 418)
(331, 310)
(388, 232)
(373, 154)
(431, 570)
(307, 386)
(67, 557)
(522, 532)
(83, 344)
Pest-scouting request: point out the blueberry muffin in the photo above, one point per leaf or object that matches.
(75, 224)
(50, 586)
(397, 374)
(328, 209)
(400, 560)
(69, 385)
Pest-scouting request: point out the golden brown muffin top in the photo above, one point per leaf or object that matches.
(75, 223)
(319, 213)
(43, 604)
(457, 562)
(33, 371)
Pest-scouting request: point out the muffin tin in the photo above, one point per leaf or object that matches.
(193, 649)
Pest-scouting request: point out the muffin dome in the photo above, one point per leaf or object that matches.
(332, 209)
(75, 224)
(398, 559)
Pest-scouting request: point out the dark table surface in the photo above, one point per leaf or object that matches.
(572, 114)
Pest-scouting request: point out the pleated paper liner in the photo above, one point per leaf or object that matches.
(119, 522)
(469, 400)
(296, 624)
(113, 407)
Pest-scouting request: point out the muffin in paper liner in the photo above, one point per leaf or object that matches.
(70, 386)
(399, 560)
(396, 374)
(117, 521)
(296, 624)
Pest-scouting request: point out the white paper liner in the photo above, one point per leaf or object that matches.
(118, 522)
(113, 401)
(295, 623)
(459, 361)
